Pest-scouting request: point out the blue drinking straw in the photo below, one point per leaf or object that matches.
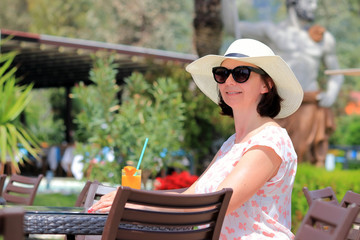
(142, 153)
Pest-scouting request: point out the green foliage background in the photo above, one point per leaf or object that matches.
(148, 109)
(167, 24)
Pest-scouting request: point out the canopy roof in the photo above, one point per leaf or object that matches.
(50, 61)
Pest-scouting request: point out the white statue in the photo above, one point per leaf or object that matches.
(304, 47)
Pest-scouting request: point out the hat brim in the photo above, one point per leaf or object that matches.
(286, 83)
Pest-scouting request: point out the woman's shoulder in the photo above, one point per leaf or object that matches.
(272, 135)
(273, 130)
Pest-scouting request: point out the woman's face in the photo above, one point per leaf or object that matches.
(242, 95)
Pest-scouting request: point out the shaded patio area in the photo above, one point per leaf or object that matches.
(53, 62)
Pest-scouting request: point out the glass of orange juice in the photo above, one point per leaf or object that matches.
(131, 177)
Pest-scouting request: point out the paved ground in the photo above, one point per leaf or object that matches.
(63, 185)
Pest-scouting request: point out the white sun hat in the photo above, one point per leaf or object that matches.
(257, 53)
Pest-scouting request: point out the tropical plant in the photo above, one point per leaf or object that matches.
(13, 136)
(154, 110)
(95, 121)
(148, 109)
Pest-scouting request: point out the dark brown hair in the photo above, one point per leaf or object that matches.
(269, 105)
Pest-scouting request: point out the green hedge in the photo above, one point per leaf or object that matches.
(317, 178)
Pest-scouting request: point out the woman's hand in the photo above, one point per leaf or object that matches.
(104, 204)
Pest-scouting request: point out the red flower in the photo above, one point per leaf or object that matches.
(175, 181)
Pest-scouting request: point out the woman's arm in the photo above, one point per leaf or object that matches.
(256, 167)
(104, 204)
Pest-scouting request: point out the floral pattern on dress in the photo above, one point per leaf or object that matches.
(267, 214)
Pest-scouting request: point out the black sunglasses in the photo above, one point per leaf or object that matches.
(240, 74)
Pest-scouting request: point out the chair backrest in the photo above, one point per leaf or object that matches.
(80, 201)
(177, 190)
(96, 191)
(349, 198)
(91, 193)
(21, 189)
(2, 182)
(352, 198)
(325, 194)
(11, 223)
(326, 221)
(158, 215)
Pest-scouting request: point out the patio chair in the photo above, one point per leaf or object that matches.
(178, 190)
(2, 182)
(325, 221)
(185, 216)
(349, 198)
(95, 191)
(325, 194)
(352, 198)
(11, 223)
(21, 189)
(80, 201)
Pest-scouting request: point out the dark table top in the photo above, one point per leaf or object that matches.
(62, 220)
(70, 221)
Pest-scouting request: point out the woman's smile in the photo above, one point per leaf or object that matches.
(233, 92)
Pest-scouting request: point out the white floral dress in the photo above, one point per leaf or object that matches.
(267, 214)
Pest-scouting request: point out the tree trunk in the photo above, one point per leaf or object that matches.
(208, 27)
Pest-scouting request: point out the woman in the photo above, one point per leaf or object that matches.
(254, 86)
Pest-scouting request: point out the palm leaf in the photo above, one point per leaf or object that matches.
(4, 69)
(13, 159)
(3, 135)
(28, 142)
(19, 105)
(14, 139)
(13, 101)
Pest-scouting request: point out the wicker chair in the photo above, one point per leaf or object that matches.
(325, 221)
(21, 189)
(185, 216)
(11, 223)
